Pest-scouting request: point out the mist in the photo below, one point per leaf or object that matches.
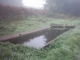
(57, 24)
(68, 7)
(12, 2)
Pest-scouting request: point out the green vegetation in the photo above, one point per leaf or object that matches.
(31, 23)
(65, 7)
(66, 46)
(18, 19)
(7, 28)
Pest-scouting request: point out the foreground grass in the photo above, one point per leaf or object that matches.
(66, 46)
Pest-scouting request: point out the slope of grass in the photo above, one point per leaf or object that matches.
(66, 46)
(17, 26)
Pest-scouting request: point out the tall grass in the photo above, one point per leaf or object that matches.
(31, 23)
(19, 19)
(66, 46)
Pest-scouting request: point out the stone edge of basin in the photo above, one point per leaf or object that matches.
(22, 33)
(4, 38)
(47, 43)
(54, 39)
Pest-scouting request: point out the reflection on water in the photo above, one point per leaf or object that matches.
(34, 42)
(38, 39)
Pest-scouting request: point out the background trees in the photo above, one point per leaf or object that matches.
(71, 7)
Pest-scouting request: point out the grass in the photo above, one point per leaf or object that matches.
(17, 26)
(12, 27)
(66, 46)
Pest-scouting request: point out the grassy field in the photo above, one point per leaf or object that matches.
(11, 27)
(66, 46)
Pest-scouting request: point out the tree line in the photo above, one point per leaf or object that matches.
(68, 7)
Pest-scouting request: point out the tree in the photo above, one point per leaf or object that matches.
(64, 6)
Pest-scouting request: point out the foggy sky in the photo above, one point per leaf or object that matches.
(12, 2)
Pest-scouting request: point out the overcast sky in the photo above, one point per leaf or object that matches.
(28, 3)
